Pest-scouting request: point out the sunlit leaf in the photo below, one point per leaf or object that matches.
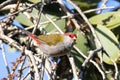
(23, 20)
(110, 44)
(110, 20)
(81, 43)
(50, 27)
(34, 1)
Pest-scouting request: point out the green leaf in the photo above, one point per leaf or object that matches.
(110, 20)
(81, 43)
(21, 18)
(51, 28)
(110, 44)
(34, 1)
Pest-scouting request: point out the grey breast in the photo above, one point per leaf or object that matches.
(59, 49)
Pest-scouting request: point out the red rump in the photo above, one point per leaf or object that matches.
(32, 36)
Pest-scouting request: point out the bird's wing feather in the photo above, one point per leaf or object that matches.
(51, 39)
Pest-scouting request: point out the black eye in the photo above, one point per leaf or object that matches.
(71, 36)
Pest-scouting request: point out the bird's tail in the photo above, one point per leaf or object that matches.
(33, 37)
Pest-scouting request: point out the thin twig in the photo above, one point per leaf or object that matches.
(37, 22)
(39, 16)
(72, 63)
(116, 69)
(86, 20)
(92, 10)
(46, 22)
(31, 57)
(57, 27)
(71, 59)
(20, 11)
(25, 75)
(6, 3)
(102, 73)
(67, 16)
(48, 69)
(103, 5)
(96, 39)
(17, 5)
(8, 7)
(27, 52)
(42, 67)
(21, 68)
(3, 51)
(99, 69)
(4, 57)
(93, 62)
(11, 41)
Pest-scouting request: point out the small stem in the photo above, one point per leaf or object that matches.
(57, 27)
(116, 69)
(6, 3)
(4, 57)
(93, 62)
(71, 60)
(26, 75)
(20, 11)
(39, 16)
(20, 68)
(96, 39)
(92, 10)
(30, 55)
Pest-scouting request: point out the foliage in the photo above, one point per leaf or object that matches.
(106, 27)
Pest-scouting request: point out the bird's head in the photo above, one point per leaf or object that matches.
(71, 35)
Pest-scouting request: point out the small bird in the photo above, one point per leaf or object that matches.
(54, 45)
